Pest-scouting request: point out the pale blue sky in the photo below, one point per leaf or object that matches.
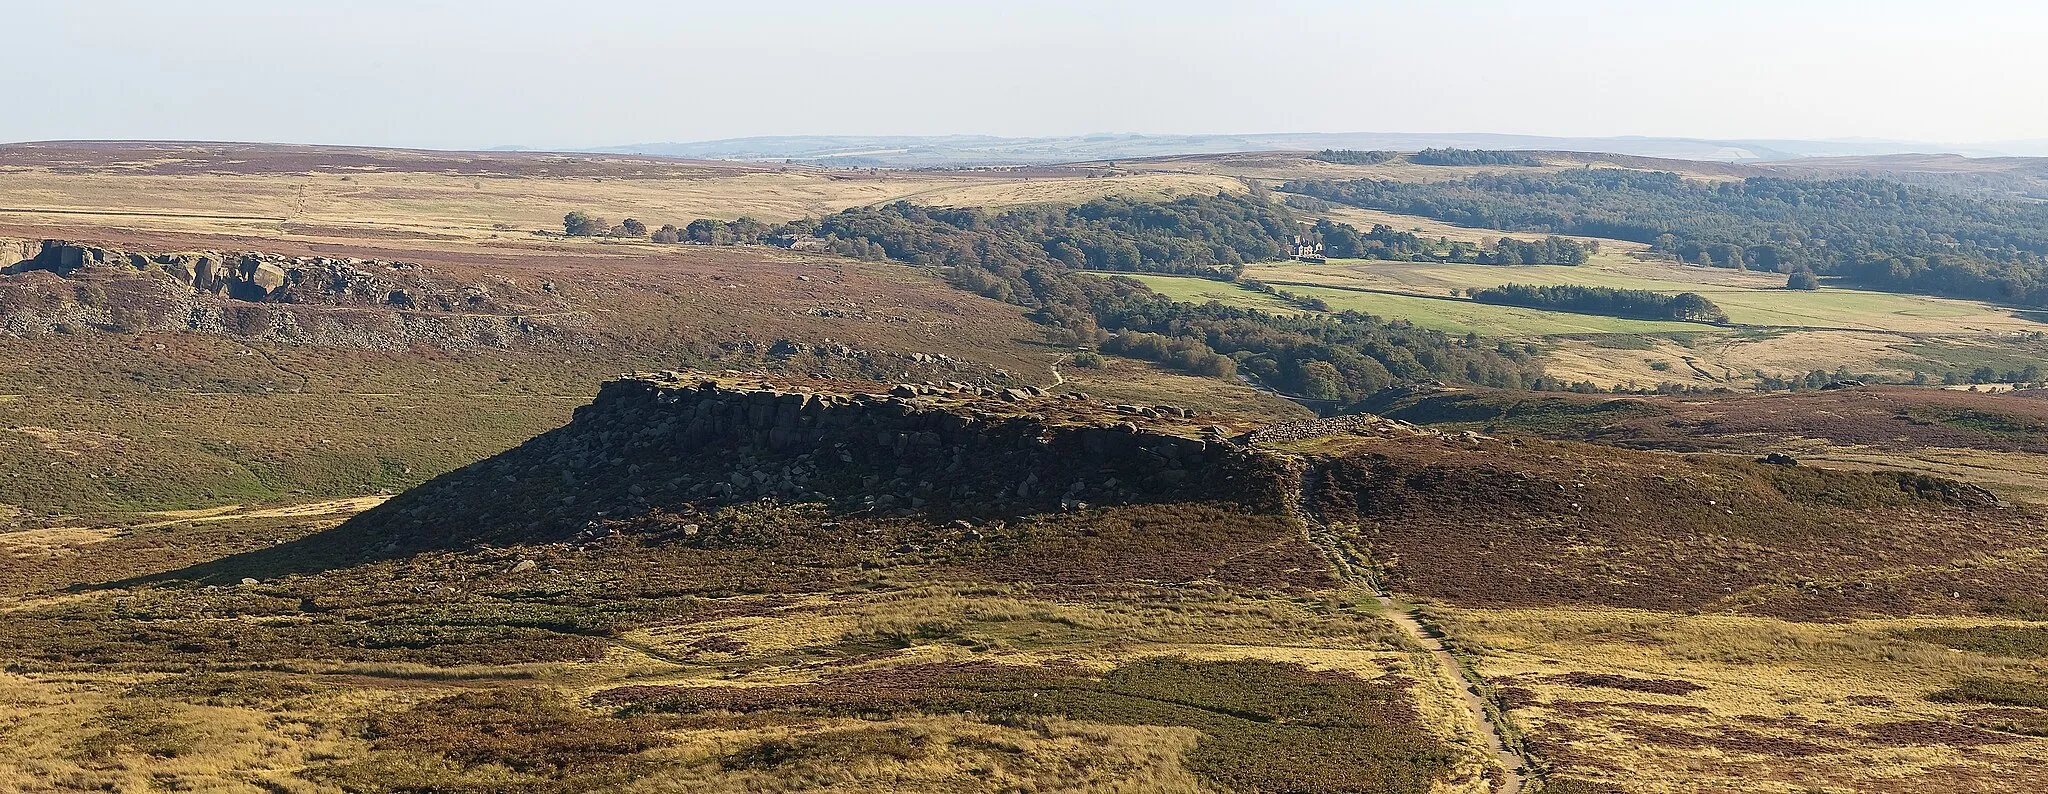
(453, 73)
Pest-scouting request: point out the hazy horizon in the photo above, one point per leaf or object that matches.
(471, 75)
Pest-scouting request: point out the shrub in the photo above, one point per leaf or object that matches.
(583, 224)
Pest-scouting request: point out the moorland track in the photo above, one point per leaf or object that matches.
(1354, 567)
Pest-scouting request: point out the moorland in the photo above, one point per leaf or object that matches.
(336, 469)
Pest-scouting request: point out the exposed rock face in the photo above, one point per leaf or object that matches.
(306, 300)
(675, 443)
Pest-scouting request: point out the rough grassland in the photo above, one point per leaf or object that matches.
(429, 205)
(470, 671)
(1660, 702)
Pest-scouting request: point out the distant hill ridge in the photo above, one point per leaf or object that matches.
(960, 150)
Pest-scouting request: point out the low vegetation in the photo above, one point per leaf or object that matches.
(1266, 727)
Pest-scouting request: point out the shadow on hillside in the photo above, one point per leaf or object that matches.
(327, 550)
(366, 538)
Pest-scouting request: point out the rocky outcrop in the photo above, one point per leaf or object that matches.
(680, 443)
(326, 301)
(1347, 424)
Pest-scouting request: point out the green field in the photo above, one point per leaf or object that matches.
(1442, 314)
(1749, 299)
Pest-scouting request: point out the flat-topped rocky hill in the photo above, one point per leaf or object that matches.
(676, 442)
(1460, 516)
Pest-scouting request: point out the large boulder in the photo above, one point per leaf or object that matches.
(264, 276)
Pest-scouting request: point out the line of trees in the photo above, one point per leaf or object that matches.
(1472, 157)
(1353, 156)
(1384, 242)
(1187, 235)
(1632, 303)
(1869, 232)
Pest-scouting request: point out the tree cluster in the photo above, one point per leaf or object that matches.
(1353, 156)
(1631, 303)
(1869, 232)
(1384, 242)
(1472, 157)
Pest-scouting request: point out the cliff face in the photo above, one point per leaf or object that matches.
(671, 443)
(298, 300)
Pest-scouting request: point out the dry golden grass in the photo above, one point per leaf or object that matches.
(83, 734)
(449, 207)
(1784, 707)
(940, 753)
(2017, 476)
(1730, 359)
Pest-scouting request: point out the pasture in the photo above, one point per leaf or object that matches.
(1749, 298)
(1451, 316)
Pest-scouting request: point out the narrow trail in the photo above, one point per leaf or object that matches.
(1353, 566)
(1514, 764)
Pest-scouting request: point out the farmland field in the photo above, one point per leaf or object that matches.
(1446, 315)
(1749, 299)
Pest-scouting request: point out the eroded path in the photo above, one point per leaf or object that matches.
(1354, 567)
(1513, 763)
